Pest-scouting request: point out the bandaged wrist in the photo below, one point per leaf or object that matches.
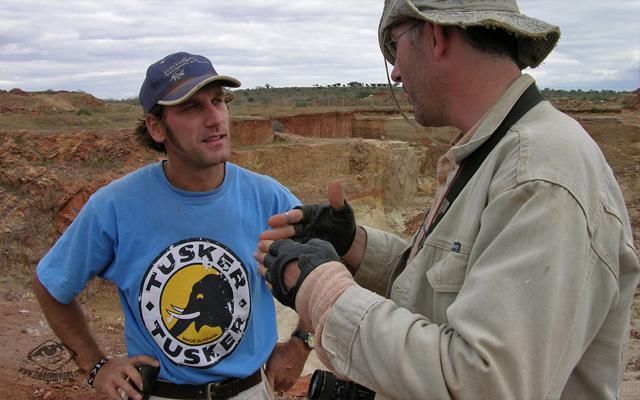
(320, 291)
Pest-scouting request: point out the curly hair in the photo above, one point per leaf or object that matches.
(142, 133)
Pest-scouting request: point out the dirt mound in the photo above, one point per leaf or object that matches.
(35, 103)
(14, 102)
(18, 92)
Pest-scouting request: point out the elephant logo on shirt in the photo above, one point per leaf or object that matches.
(210, 304)
(195, 302)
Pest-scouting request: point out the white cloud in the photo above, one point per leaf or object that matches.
(599, 47)
(104, 47)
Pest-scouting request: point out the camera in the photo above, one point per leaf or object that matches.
(148, 374)
(326, 386)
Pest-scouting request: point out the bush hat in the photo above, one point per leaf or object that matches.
(175, 78)
(536, 38)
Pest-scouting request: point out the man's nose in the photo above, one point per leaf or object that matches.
(215, 115)
(395, 74)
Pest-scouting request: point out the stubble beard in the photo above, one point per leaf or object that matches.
(197, 162)
(429, 108)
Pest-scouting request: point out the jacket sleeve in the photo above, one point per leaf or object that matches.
(381, 255)
(534, 296)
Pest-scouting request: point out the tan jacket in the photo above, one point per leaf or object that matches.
(522, 291)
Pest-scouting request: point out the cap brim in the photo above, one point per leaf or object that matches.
(183, 92)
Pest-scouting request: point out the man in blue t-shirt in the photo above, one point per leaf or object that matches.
(177, 238)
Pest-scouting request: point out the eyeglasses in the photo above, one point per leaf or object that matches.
(390, 45)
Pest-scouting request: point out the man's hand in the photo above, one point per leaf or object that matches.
(286, 363)
(334, 222)
(116, 376)
(285, 264)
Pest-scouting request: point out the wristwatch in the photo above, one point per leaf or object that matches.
(307, 338)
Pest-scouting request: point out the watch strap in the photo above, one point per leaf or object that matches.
(307, 338)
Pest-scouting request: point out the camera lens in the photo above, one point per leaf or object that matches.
(321, 385)
(326, 386)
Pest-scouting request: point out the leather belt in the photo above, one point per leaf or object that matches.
(221, 390)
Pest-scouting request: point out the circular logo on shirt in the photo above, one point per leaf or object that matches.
(195, 302)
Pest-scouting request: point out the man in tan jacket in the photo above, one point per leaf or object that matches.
(520, 281)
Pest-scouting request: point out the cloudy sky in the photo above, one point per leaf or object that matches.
(103, 47)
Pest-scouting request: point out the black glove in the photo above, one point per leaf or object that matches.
(335, 225)
(310, 255)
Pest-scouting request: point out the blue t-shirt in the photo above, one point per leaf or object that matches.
(183, 264)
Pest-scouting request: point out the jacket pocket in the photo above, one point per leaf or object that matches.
(447, 275)
(446, 278)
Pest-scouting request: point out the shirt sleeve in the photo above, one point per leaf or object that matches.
(381, 255)
(83, 251)
(285, 199)
(533, 299)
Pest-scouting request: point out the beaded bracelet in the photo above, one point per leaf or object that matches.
(95, 369)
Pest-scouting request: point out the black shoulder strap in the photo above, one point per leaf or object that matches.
(472, 162)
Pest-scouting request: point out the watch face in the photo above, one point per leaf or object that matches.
(310, 340)
(307, 338)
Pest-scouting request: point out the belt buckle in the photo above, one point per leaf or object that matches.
(212, 389)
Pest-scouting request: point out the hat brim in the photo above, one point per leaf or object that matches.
(536, 38)
(187, 89)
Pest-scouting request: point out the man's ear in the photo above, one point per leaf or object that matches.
(155, 128)
(440, 40)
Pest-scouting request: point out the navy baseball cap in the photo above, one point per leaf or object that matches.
(175, 78)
